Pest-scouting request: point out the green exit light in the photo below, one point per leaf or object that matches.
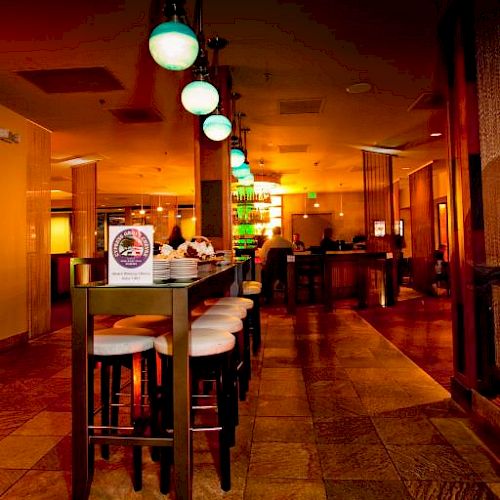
(311, 196)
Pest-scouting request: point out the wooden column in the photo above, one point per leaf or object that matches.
(422, 228)
(466, 238)
(379, 207)
(213, 176)
(38, 229)
(84, 180)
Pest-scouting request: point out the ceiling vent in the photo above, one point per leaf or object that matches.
(300, 106)
(137, 115)
(294, 148)
(71, 80)
(427, 101)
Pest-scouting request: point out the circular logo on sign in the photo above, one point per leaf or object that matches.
(131, 248)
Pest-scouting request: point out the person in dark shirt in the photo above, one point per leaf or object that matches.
(175, 239)
(327, 243)
(297, 244)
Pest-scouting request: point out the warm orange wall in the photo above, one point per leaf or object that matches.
(13, 308)
(344, 228)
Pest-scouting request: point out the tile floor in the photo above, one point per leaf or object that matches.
(334, 411)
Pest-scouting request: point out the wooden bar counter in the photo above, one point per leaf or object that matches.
(350, 273)
(171, 299)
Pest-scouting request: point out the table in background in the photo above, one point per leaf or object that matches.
(365, 275)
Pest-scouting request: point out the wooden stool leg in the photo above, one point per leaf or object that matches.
(224, 433)
(136, 416)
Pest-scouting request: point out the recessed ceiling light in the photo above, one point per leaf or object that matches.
(436, 134)
(359, 88)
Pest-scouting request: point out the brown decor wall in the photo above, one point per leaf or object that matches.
(38, 229)
(422, 228)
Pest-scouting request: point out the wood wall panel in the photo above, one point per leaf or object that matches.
(422, 228)
(38, 229)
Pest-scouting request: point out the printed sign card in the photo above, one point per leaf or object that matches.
(130, 252)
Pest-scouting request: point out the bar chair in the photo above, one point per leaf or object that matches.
(210, 357)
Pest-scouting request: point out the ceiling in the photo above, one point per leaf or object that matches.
(279, 51)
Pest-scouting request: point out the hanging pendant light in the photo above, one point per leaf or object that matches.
(237, 157)
(217, 127)
(173, 44)
(241, 170)
(248, 180)
(200, 97)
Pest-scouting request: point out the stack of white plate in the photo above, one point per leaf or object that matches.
(161, 269)
(183, 268)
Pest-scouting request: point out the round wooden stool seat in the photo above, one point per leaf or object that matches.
(230, 301)
(238, 311)
(144, 321)
(202, 342)
(113, 344)
(230, 323)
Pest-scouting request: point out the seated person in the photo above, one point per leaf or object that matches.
(274, 269)
(297, 244)
(175, 239)
(327, 243)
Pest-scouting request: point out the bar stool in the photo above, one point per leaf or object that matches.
(240, 312)
(234, 326)
(210, 352)
(252, 290)
(114, 350)
(252, 323)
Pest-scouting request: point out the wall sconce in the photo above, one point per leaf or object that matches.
(173, 44)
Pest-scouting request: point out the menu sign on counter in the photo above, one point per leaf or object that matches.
(130, 253)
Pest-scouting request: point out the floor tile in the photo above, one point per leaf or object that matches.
(22, 452)
(262, 489)
(437, 490)
(482, 462)
(356, 461)
(332, 388)
(284, 406)
(295, 388)
(277, 373)
(46, 423)
(365, 490)
(331, 407)
(416, 430)
(283, 429)
(456, 430)
(284, 460)
(58, 458)
(41, 485)
(8, 478)
(430, 462)
(347, 430)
